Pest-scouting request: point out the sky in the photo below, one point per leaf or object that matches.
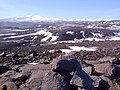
(68, 9)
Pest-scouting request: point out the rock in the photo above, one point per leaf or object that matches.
(64, 63)
(56, 81)
(116, 61)
(92, 62)
(115, 73)
(25, 88)
(96, 81)
(22, 79)
(88, 70)
(76, 80)
(108, 84)
(3, 69)
(105, 68)
(82, 79)
(44, 61)
(11, 74)
(10, 86)
(34, 68)
(35, 81)
(4, 80)
(106, 59)
(10, 55)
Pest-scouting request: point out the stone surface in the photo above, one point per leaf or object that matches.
(65, 63)
(81, 78)
(105, 68)
(10, 86)
(3, 69)
(56, 81)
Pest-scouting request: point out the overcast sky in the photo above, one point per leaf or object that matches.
(69, 9)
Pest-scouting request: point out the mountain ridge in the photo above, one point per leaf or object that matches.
(41, 18)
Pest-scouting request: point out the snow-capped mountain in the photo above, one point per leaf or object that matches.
(48, 19)
(34, 18)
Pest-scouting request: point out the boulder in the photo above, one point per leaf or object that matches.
(108, 84)
(4, 69)
(105, 68)
(56, 81)
(35, 81)
(106, 59)
(82, 79)
(88, 70)
(96, 80)
(64, 63)
(116, 61)
(4, 80)
(22, 79)
(11, 74)
(10, 86)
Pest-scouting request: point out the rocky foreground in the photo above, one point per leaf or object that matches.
(65, 72)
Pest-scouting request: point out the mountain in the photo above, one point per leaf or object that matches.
(34, 18)
(40, 18)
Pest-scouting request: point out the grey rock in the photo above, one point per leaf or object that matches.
(3, 69)
(11, 74)
(96, 80)
(64, 63)
(112, 85)
(106, 59)
(56, 81)
(116, 61)
(10, 86)
(82, 79)
(88, 70)
(3, 80)
(105, 68)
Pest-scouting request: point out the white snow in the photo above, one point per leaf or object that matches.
(97, 34)
(94, 39)
(33, 63)
(83, 33)
(7, 34)
(114, 38)
(70, 32)
(48, 36)
(35, 37)
(50, 26)
(78, 48)
(117, 34)
(20, 30)
(66, 50)
(45, 33)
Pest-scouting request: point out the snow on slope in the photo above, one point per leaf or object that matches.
(47, 34)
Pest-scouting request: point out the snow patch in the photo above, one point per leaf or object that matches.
(70, 32)
(33, 63)
(114, 38)
(83, 33)
(7, 34)
(66, 50)
(97, 35)
(78, 48)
